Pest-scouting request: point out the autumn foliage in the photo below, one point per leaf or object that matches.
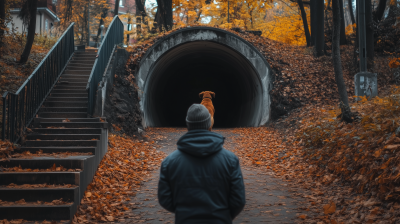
(118, 178)
(363, 153)
(6, 149)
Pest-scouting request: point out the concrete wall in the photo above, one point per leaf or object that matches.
(206, 34)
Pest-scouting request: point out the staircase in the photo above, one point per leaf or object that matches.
(60, 154)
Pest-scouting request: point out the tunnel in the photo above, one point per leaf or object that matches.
(172, 74)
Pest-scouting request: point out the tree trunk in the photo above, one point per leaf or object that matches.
(116, 7)
(369, 33)
(2, 20)
(68, 13)
(31, 30)
(305, 24)
(168, 14)
(342, 25)
(138, 15)
(380, 10)
(337, 63)
(159, 18)
(198, 15)
(353, 20)
(319, 28)
(313, 20)
(164, 14)
(355, 55)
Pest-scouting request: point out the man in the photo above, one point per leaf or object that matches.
(201, 182)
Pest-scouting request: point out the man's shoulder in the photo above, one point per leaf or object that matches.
(174, 155)
(228, 154)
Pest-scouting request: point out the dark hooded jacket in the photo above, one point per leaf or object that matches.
(201, 182)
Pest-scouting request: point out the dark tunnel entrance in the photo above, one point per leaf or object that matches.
(180, 74)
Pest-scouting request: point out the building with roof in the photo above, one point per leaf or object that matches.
(45, 17)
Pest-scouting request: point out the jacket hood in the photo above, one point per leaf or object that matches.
(200, 143)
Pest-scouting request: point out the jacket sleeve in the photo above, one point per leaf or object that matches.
(164, 190)
(237, 197)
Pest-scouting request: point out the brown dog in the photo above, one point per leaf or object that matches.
(206, 95)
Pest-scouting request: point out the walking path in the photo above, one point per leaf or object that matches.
(268, 199)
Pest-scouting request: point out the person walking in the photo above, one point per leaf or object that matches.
(201, 182)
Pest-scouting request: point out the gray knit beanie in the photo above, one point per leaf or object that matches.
(198, 117)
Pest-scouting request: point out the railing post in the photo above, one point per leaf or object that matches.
(3, 131)
(111, 38)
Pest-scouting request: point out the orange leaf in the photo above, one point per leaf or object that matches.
(329, 208)
(303, 216)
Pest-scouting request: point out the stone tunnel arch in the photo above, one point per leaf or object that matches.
(182, 64)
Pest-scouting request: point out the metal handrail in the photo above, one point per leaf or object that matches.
(114, 36)
(20, 108)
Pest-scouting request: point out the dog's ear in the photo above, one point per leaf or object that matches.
(213, 94)
(201, 94)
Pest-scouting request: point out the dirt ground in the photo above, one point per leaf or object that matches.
(268, 199)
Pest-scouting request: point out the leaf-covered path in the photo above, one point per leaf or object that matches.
(268, 199)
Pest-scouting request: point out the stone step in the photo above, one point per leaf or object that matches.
(36, 143)
(38, 212)
(63, 136)
(20, 178)
(85, 53)
(69, 99)
(78, 58)
(63, 109)
(72, 76)
(79, 67)
(83, 71)
(47, 162)
(64, 104)
(71, 89)
(52, 221)
(78, 79)
(86, 119)
(74, 91)
(56, 149)
(63, 115)
(87, 58)
(71, 125)
(67, 83)
(67, 130)
(81, 94)
(45, 194)
(78, 63)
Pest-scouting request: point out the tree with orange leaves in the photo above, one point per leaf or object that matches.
(77, 12)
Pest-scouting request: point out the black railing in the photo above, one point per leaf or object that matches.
(114, 36)
(20, 108)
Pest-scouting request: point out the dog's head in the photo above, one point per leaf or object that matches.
(207, 94)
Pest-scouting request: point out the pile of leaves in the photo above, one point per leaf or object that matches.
(364, 154)
(299, 77)
(263, 146)
(39, 153)
(327, 198)
(6, 149)
(118, 178)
